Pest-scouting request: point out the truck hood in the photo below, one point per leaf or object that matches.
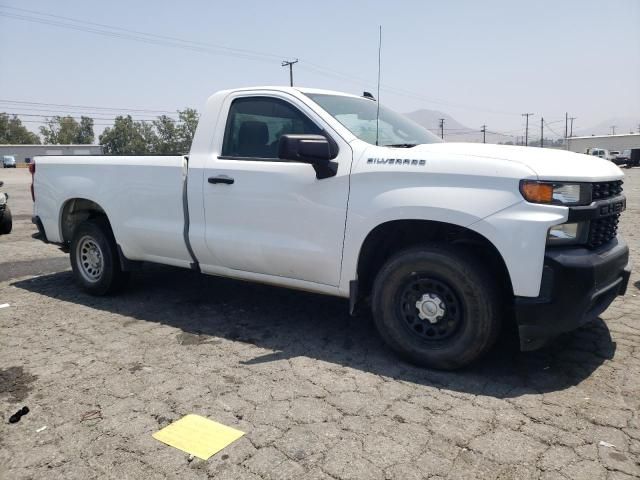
(547, 163)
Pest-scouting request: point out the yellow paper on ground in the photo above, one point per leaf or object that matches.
(198, 436)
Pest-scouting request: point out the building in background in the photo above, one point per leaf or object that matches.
(608, 142)
(24, 152)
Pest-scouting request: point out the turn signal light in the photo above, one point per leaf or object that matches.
(537, 192)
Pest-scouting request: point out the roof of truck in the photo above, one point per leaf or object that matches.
(318, 91)
(304, 90)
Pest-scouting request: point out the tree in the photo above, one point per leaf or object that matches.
(166, 136)
(175, 137)
(187, 128)
(66, 130)
(128, 137)
(13, 132)
(85, 134)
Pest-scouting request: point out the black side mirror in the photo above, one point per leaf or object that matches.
(313, 149)
(1, 183)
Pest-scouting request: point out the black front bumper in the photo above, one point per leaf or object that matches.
(578, 284)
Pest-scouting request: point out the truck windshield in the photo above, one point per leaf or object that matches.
(359, 116)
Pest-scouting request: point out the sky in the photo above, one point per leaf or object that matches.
(480, 62)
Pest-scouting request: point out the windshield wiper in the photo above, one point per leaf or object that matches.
(401, 145)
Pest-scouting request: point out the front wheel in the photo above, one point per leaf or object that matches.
(94, 258)
(437, 306)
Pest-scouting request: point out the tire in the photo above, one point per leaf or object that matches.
(6, 223)
(460, 316)
(94, 259)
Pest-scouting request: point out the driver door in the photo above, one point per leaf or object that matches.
(270, 216)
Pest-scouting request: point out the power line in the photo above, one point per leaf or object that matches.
(166, 37)
(50, 111)
(64, 105)
(95, 124)
(65, 115)
(502, 134)
(201, 47)
(82, 25)
(552, 130)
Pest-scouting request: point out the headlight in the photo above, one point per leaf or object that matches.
(556, 193)
(568, 233)
(3, 198)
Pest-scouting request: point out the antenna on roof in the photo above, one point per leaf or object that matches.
(378, 102)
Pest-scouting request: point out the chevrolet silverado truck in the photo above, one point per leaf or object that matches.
(330, 193)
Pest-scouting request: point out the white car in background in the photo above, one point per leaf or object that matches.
(8, 161)
(602, 153)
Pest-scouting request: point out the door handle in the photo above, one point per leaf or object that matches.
(221, 179)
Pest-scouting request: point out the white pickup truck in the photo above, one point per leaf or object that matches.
(309, 189)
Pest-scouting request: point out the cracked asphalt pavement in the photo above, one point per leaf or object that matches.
(317, 392)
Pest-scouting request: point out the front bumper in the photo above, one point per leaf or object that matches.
(578, 284)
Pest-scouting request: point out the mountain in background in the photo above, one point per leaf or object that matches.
(454, 131)
(622, 124)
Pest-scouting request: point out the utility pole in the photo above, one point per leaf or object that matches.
(613, 129)
(442, 128)
(285, 63)
(566, 126)
(526, 129)
(484, 133)
(541, 132)
(571, 119)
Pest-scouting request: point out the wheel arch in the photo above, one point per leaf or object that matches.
(392, 236)
(74, 211)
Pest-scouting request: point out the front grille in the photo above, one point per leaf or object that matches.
(603, 230)
(606, 228)
(602, 190)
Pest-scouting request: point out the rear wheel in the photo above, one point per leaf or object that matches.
(437, 306)
(94, 258)
(6, 224)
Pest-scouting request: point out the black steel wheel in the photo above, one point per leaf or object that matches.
(430, 307)
(437, 306)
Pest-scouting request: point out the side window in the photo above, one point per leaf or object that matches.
(255, 125)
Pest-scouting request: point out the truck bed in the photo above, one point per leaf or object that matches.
(143, 197)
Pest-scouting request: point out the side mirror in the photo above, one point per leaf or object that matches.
(1, 183)
(313, 149)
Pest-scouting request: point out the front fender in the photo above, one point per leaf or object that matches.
(464, 206)
(520, 235)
